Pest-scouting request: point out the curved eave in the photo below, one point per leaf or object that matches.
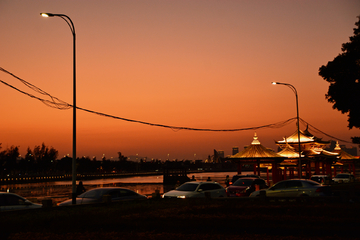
(256, 151)
(257, 160)
(293, 142)
(323, 153)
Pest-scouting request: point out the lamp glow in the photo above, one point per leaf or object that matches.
(47, 14)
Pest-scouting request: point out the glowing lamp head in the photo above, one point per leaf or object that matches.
(46, 14)
(273, 83)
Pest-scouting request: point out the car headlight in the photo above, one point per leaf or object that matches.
(181, 196)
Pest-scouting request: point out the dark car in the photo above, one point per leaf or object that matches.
(236, 177)
(99, 195)
(243, 187)
(11, 201)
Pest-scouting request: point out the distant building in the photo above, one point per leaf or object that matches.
(221, 153)
(235, 150)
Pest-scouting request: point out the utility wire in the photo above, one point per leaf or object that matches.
(59, 104)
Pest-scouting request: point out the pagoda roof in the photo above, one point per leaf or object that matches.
(289, 152)
(305, 137)
(320, 153)
(316, 139)
(256, 150)
(343, 155)
(293, 138)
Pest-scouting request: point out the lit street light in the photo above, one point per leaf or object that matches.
(72, 28)
(298, 121)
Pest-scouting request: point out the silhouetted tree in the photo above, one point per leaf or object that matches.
(64, 165)
(45, 157)
(8, 160)
(27, 164)
(343, 74)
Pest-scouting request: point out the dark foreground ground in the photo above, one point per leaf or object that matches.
(187, 219)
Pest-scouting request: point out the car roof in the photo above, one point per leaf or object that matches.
(298, 179)
(109, 188)
(201, 182)
(247, 178)
(7, 193)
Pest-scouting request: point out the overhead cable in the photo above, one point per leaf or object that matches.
(60, 104)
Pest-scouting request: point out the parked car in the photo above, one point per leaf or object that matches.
(11, 201)
(236, 177)
(296, 188)
(322, 179)
(197, 190)
(98, 195)
(244, 186)
(343, 178)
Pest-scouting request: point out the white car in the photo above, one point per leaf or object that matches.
(197, 190)
(11, 201)
(295, 188)
(343, 178)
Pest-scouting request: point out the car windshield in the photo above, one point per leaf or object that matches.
(188, 187)
(96, 193)
(342, 176)
(313, 183)
(243, 182)
(319, 179)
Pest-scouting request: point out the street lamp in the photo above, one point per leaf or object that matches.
(298, 120)
(72, 28)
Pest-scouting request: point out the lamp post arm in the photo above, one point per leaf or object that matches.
(67, 19)
(69, 22)
(298, 121)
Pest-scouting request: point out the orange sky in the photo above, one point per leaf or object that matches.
(201, 64)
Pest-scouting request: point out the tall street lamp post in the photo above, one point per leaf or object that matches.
(72, 28)
(298, 121)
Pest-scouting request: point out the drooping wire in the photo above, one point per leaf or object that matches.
(54, 102)
(314, 129)
(59, 104)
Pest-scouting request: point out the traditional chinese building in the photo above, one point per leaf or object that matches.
(257, 155)
(314, 159)
(346, 160)
(283, 165)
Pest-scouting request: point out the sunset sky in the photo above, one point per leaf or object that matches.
(185, 63)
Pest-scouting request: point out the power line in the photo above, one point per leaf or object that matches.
(59, 104)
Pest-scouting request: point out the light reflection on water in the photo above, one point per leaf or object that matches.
(61, 190)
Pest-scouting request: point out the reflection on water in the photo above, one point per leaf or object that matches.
(146, 185)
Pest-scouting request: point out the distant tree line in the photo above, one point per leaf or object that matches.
(43, 160)
(40, 160)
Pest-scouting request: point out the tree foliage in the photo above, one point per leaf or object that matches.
(343, 74)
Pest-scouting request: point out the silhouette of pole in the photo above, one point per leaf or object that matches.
(72, 28)
(298, 121)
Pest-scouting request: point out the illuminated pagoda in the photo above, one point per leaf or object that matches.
(307, 141)
(291, 161)
(256, 154)
(313, 155)
(345, 159)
